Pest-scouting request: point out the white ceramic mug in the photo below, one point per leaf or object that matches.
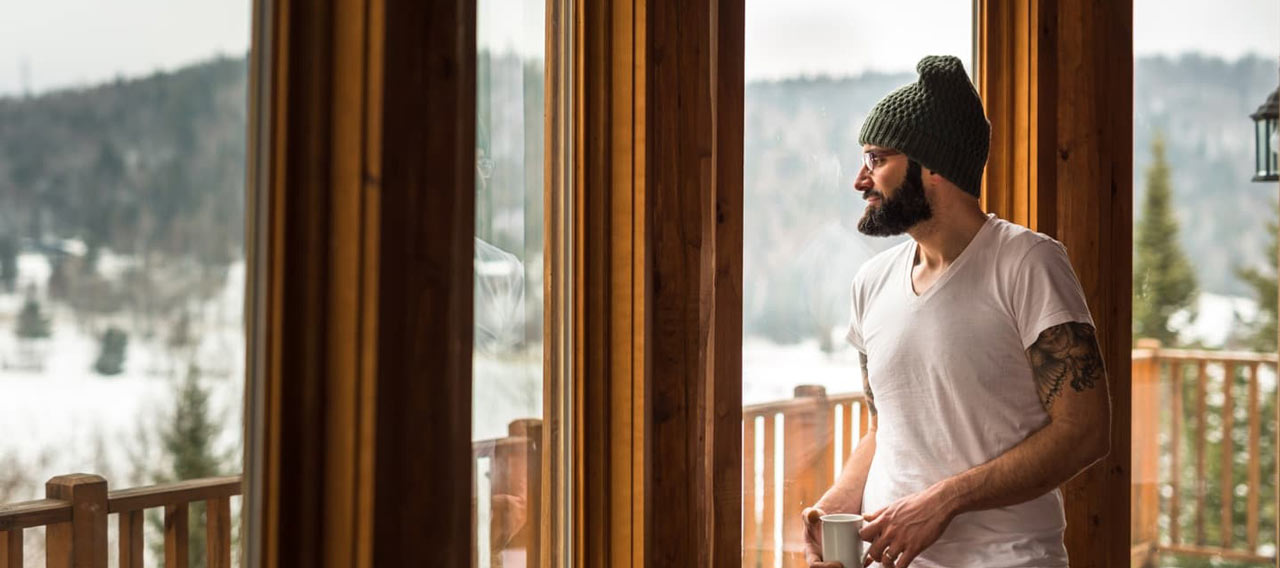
(840, 540)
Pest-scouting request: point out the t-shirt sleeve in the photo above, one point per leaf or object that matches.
(1046, 292)
(854, 335)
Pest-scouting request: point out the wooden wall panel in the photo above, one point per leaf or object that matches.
(360, 302)
(658, 342)
(422, 467)
(1094, 161)
(693, 295)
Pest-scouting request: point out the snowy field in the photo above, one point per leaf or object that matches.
(67, 418)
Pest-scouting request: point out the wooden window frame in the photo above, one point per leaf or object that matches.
(661, 124)
(362, 201)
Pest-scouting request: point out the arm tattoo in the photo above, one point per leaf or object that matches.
(866, 384)
(1066, 353)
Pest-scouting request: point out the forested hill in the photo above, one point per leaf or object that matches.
(154, 163)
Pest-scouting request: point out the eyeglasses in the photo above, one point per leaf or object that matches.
(873, 159)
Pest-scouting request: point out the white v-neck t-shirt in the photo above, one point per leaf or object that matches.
(952, 385)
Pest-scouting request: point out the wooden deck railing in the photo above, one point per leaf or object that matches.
(797, 445)
(76, 509)
(1188, 405)
(1183, 408)
(512, 467)
(812, 434)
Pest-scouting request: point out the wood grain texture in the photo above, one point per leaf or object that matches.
(83, 540)
(137, 498)
(11, 549)
(1093, 157)
(421, 472)
(131, 539)
(177, 535)
(218, 533)
(692, 307)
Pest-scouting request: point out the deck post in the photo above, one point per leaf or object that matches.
(82, 542)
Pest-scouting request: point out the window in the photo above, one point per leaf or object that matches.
(1204, 430)
(122, 255)
(511, 255)
(814, 69)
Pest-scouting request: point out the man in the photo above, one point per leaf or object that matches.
(980, 366)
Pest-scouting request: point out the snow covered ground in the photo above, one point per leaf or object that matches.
(66, 418)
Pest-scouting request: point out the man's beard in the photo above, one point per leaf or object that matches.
(893, 216)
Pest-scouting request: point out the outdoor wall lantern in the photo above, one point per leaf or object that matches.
(1265, 142)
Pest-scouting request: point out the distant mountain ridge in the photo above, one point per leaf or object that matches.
(164, 155)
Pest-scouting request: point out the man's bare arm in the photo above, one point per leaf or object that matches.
(1072, 383)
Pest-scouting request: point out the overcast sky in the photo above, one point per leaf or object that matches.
(63, 43)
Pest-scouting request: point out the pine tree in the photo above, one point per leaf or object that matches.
(1263, 333)
(32, 323)
(111, 352)
(188, 440)
(8, 262)
(1163, 282)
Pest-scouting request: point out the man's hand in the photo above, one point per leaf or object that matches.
(900, 532)
(813, 539)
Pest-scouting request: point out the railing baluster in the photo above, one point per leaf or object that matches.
(130, 539)
(11, 549)
(1255, 461)
(807, 444)
(770, 517)
(1145, 458)
(850, 434)
(176, 534)
(1175, 444)
(218, 532)
(1201, 409)
(750, 524)
(1228, 452)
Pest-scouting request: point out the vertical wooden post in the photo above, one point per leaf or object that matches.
(176, 535)
(130, 539)
(1227, 474)
(807, 468)
(81, 543)
(1175, 443)
(1146, 444)
(769, 515)
(750, 523)
(218, 532)
(11, 549)
(1255, 460)
(1202, 378)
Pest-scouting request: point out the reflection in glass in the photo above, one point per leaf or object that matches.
(1204, 363)
(508, 348)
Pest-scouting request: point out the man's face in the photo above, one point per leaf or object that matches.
(890, 211)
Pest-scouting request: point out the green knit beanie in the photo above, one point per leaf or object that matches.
(937, 121)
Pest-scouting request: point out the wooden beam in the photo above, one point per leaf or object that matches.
(422, 465)
(1093, 158)
(693, 296)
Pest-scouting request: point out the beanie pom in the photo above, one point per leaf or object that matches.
(938, 69)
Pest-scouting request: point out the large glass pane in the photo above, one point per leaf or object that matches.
(122, 254)
(1204, 284)
(814, 69)
(509, 349)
